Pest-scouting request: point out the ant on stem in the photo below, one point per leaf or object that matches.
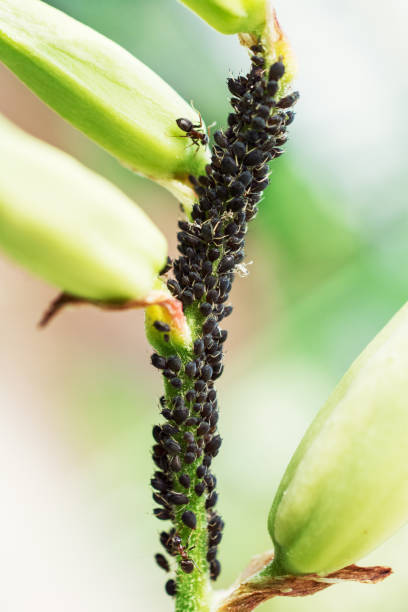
(193, 131)
(186, 564)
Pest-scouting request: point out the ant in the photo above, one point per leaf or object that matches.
(186, 564)
(193, 131)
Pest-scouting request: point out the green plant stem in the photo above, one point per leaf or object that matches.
(193, 590)
(212, 251)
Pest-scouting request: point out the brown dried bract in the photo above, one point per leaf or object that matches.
(252, 590)
(172, 305)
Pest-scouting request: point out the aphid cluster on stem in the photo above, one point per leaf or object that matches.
(184, 448)
(211, 248)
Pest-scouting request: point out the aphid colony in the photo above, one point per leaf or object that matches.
(184, 449)
(211, 246)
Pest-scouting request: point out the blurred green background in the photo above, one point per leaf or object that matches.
(329, 260)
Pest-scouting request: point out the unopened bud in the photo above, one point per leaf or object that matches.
(72, 227)
(104, 91)
(345, 490)
(231, 16)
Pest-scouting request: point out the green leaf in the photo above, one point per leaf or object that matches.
(101, 89)
(71, 226)
(345, 490)
(231, 16)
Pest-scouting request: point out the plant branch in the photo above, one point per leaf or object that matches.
(211, 244)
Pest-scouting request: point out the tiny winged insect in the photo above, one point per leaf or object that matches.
(193, 131)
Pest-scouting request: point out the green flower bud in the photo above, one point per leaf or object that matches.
(231, 16)
(256, 22)
(102, 90)
(167, 310)
(346, 488)
(72, 227)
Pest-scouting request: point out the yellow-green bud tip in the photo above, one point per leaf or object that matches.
(168, 311)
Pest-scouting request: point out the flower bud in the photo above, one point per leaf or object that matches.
(102, 90)
(346, 488)
(231, 16)
(256, 23)
(71, 226)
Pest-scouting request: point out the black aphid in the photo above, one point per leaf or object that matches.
(215, 538)
(276, 71)
(191, 422)
(189, 519)
(175, 464)
(289, 100)
(209, 325)
(215, 569)
(205, 309)
(189, 458)
(199, 385)
(213, 445)
(198, 347)
(187, 565)
(171, 588)
(162, 513)
(200, 471)
(199, 488)
(221, 139)
(180, 415)
(162, 562)
(211, 500)
(171, 446)
(161, 326)
(191, 395)
(190, 369)
(206, 372)
(178, 499)
(203, 428)
(157, 361)
(185, 480)
(158, 484)
(174, 363)
(176, 382)
(169, 430)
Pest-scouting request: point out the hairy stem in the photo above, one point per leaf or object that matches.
(193, 591)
